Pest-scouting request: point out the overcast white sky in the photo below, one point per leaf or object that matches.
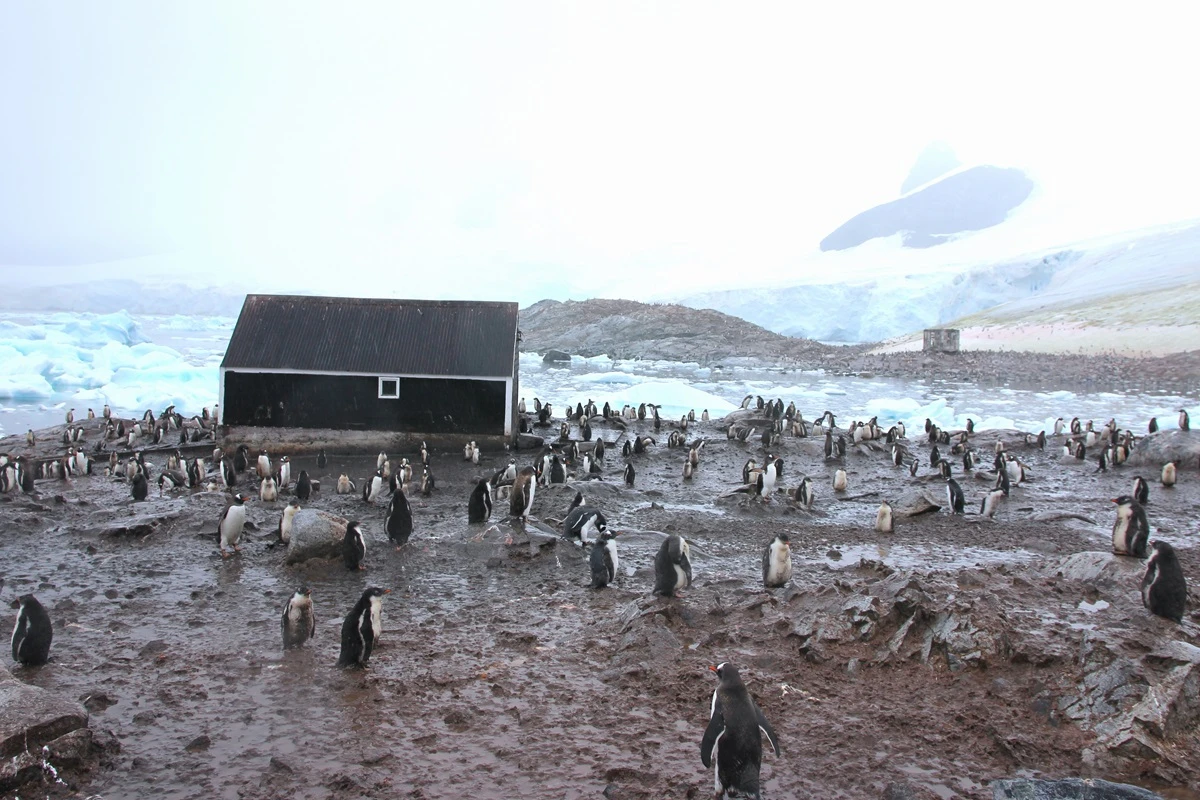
(508, 149)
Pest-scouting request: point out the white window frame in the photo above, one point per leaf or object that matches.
(394, 379)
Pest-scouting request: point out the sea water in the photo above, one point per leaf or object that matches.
(52, 362)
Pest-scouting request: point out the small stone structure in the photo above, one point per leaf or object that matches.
(941, 340)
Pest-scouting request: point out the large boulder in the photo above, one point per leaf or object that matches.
(31, 717)
(315, 534)
(1156, 449)
(1068, 789)
(1101, 569)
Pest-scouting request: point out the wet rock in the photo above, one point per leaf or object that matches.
(903, 790)
(152, 648)
(1068, 789)
(140, 525)
(199, 744)
(913, 503)
(1103, 570)
(553, 355)
(1156, 449)
(277, 764)
(70, 750)
(97, 701)
(31, 717)
(315, 534)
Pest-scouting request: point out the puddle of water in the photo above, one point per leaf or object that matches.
(923, 557)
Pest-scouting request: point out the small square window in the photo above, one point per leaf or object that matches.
(389, 388)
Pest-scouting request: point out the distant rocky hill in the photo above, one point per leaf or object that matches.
(628, 329)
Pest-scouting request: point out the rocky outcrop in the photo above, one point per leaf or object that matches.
(1068, 789)
(628, 329)
(32, 718)
(315, 534)
(1156, 449)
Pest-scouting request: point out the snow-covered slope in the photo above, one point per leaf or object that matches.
(842, 308)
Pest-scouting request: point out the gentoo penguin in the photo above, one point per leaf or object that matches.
(264, 464)
(1003, 483)
(603, 560)
(428, 482)
(358, 633)
(769, 477)
(777, 562)
(479, 507)
(913, 466)
(672, 566)
(229, 527)
(839, 481)
(344, 484)
(1058, 426)
(968, 461)
(828, 444)
(732, 741)
(804, 493)
(1141, 490)
(1164, 589)
(354, 547)
(241, 458)
(1076, 426)
(228, 473)
(140, 487)
(584, 521)
(322, 459)
(1131, 531)
(1015, 470)
(883, 518)
(558, 472)
(70, 416)
(284, 476)
(1153, 426)
(991, 502)
(897, 455)
(629, 474)
(688, 470)
(704, 415)
(694, 453)
(30, 439)
(303, 489)
(298, 623)
(268, 491)
(1168, 474)
(1184, 422)
(286, 519)
(374, 486)
(33, 632)
(598, 450)
(107, 413)
(944, 468)
(954, 496)
(399, 519)
(521, 499)
(934, 457)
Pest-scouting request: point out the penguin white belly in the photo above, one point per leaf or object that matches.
(588, 534)
(715, 755)
(681, 580)
(1121, 532)
(231, 528)
(377, 617)
(611, 547)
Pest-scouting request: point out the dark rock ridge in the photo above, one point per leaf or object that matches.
(971, 200)
(628, 329)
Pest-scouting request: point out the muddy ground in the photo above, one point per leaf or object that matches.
(945, 655)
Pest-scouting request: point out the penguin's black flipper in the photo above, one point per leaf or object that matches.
(766, 728)
(716, 727)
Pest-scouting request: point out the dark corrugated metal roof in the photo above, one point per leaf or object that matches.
(383, 337)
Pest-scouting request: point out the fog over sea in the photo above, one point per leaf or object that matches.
(50, 362)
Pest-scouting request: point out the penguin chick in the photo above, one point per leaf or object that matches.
(883, 518)
(839, 481)
(732, 742)
(777, 562)
(299, 624)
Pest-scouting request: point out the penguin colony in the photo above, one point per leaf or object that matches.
(732, 741)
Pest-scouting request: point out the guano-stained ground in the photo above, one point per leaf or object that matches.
(501, 674)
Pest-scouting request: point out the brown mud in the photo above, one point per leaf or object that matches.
(945, 655)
